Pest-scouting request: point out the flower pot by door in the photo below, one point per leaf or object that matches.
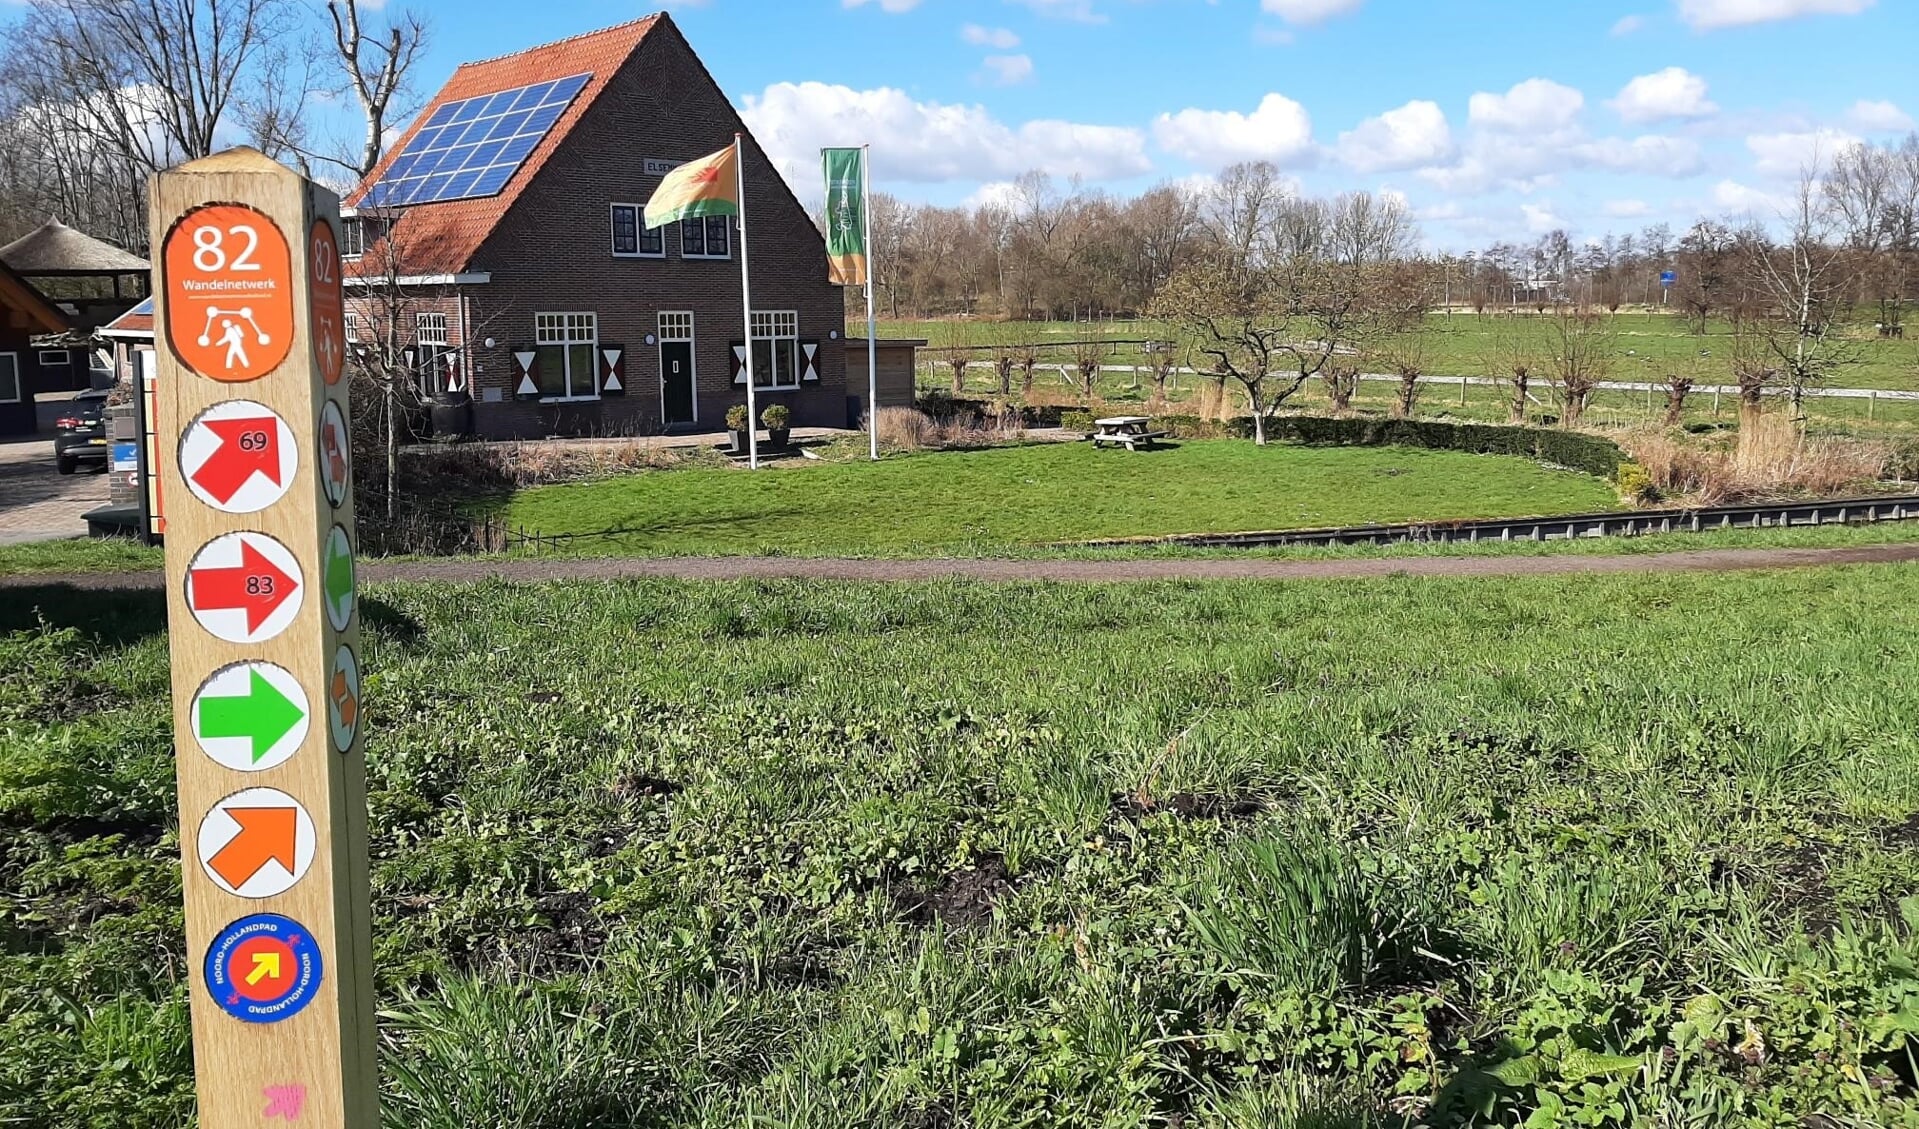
(741, 442)
(776, 436)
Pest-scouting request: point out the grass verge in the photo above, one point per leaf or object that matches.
(1589, 850)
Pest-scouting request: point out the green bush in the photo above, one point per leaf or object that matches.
(1570, 449)
(776, 416)
(1076, 421)
(736, 418)
(1636, 482)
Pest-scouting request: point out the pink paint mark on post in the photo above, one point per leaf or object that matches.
(284, 1101)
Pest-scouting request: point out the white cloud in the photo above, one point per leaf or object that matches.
(1413, 135)
(1707, 15)
(1739, 199)
(1536, 105)
(1627, 209)
(1078, 11)
(998, 38)
(929, 142)
(1540, 218)
(884, 5)
(1672, 93)
(1879, 117)
(1279, 130)
(1627, 25)
(1786, 155)
(1308, 11)
(1650, 154)
(994, 193)
(1008, 70)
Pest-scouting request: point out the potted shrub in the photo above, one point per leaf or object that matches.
(736, 422)
(775, 417)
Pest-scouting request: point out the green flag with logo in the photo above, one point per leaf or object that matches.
(845, 215)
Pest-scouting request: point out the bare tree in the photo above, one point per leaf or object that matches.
(1341, 378)
(1087, 357)
(377, 62)
(1678, 386)
(1802, 281)
(1512, 357)
(1406, 356)
(1580, 347)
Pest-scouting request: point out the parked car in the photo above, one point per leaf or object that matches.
(80, 434)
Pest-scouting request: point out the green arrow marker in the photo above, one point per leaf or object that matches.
(339, 574)
(265, 715)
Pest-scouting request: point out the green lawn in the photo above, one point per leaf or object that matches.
(938, 502)
(1600, 851)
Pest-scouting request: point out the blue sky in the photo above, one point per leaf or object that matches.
(1494, 118)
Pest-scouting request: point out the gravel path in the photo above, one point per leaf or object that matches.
(828, 568)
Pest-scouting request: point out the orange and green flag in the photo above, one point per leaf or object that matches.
(709, 186)
(845, 216)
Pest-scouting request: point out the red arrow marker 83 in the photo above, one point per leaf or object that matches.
(244, 587)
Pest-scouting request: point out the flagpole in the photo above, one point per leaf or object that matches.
(872, 346)
(746, 302)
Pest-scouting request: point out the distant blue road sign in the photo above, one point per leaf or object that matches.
(1667, 278)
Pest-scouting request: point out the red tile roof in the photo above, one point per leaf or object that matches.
(442, 238)
(136, 322)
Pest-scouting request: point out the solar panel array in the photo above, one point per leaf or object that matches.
(473, 147)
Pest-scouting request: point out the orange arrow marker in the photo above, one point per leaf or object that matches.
(266, 835)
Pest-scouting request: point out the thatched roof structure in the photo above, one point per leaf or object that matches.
(54, 249)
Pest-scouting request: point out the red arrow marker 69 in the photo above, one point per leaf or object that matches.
(238, 457)
(244, 587)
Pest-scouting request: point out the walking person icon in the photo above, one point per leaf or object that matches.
(233, 339)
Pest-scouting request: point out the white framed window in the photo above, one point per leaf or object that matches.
(10, 378)
(630, 240)
(353, 327)
(357, 233)
(706, 237)
(776, 349)
(676, 325)
(430, 356)
(568, 345)
(55, 358)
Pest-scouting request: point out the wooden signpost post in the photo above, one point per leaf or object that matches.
(264, 628)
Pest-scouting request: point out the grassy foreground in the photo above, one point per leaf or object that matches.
(939, 502)
(1595, 851)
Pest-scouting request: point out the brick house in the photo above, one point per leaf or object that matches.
(527, 298)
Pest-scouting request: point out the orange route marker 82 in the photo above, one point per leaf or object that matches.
(229, 292)
(326, 302)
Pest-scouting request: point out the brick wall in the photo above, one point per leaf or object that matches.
(553, 253)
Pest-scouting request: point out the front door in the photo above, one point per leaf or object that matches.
(676, 381)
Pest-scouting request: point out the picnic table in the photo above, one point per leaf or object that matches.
(1125, 431)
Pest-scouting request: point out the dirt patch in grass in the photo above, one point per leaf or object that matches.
(1902, 834)
(1187, 805)
(963, 898)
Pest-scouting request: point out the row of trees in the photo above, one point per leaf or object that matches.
(1269, 290)
(97, 95)
(1041, 250)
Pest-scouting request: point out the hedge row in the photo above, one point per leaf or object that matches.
(1571, 449)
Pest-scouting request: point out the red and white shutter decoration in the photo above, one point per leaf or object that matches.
(613, 370)
(739, 362)
(526, 368)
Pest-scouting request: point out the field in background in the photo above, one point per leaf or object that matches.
(1007, 497)
(1652, 345)
(819, 855)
